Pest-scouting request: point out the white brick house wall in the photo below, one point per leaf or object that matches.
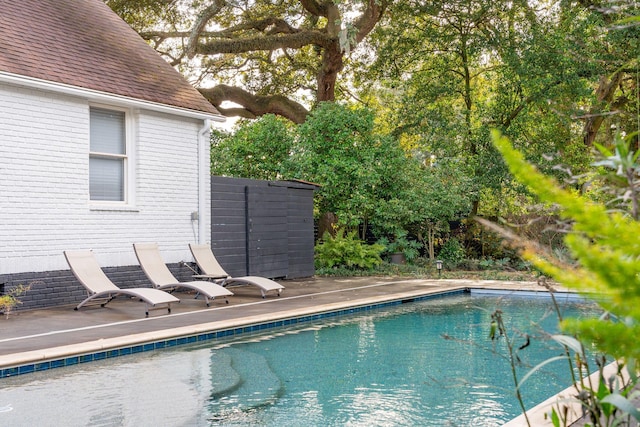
(44, 184)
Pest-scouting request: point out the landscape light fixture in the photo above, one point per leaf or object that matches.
(439, 268)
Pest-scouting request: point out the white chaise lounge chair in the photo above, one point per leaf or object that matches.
(212, 270)
(101, 290)
(159, 274)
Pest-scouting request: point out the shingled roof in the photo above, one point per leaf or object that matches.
(85, 44)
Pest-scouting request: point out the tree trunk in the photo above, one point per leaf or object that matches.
(332, 64)
(604, 93)
(431, 240)
(327, 223)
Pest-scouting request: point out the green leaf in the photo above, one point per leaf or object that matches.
(603, 150)
(555, 419)
(623, 404)
(631, 371)
(603, 391)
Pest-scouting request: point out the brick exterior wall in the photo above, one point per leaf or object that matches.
(44, 190)
(60, 288)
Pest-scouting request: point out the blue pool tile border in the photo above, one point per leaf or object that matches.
(559, 296)
(208, 336)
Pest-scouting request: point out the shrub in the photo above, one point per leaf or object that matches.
(452, 253)
(604, 245)
(400, 244)
(346, 250)
(11, 299)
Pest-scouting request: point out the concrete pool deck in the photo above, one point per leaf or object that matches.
(47, 334)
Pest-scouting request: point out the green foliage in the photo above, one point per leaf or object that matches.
(338, 150)
(144, 14)
(258, 149)
(281, 56)
(622, 170)
(491, 264)
(444, 82)
(383, 269)
(607, 399)
(346, 250)
(437, 195)
(11, 299)
(452, 252)
(606, 248)
(365, 177)
(400, 243)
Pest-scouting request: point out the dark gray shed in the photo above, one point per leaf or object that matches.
(263, 228)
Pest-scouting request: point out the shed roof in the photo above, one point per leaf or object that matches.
(83, 43)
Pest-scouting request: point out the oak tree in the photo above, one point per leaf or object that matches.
(278, 57)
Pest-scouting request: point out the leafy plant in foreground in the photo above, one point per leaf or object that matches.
(607, 250)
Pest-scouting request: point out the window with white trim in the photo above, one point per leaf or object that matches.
(108, 155)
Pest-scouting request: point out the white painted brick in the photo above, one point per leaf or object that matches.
(44, 206)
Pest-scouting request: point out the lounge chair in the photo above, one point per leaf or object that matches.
(212, 270)
(162, 278)
(101, 290)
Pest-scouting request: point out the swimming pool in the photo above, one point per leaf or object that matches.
(382, 367)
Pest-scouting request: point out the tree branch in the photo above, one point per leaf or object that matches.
(277, 26)
(201, 23)
(254, 105)
(278, 41)
(314, 8)
(369, 18)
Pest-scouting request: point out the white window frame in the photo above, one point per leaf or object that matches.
(128, 159)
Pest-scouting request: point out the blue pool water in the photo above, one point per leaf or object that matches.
(390, 367)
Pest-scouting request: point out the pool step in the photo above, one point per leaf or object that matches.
(224, 379)
(258, 386)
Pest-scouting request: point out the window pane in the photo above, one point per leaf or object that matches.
(106, 179)
(107, 131)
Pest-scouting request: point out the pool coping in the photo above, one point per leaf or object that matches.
(538, 415)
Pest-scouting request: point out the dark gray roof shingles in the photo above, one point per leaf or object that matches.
(84, 43)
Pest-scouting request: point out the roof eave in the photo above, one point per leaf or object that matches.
(104, 97)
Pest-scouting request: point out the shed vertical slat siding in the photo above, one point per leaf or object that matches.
(301, 232)
(262, 228)
(228, 229)
(268, 236)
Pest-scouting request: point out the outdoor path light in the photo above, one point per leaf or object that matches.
(439, 268)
